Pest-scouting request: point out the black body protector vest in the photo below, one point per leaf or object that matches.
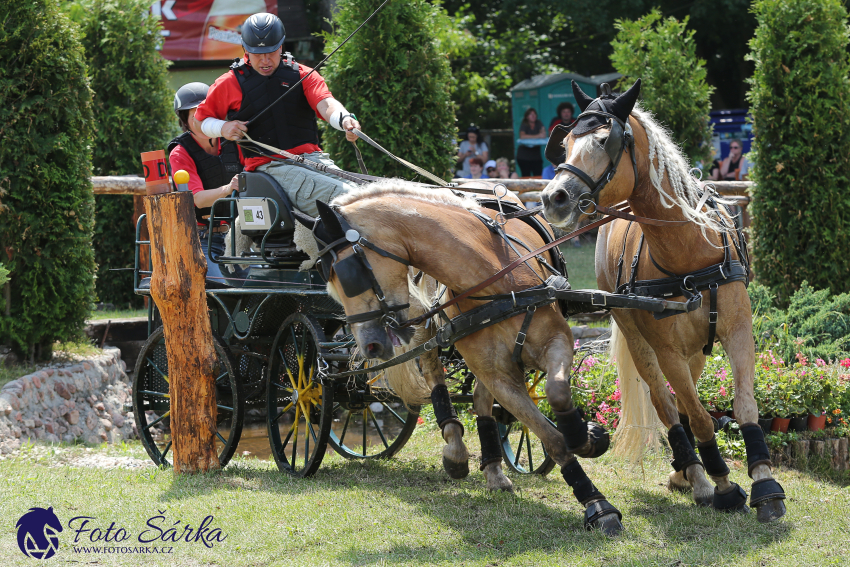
(289, 123)
(214, 171)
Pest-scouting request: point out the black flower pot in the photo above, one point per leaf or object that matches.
(798, 424)
(765, 423)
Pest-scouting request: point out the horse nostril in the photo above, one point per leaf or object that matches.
(561, 197)
(374, 350)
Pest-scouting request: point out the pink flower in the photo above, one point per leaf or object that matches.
(589, 362)
(601, 419)
(723, 391)
(593, 398)
(669, 387)
(604, 408)
(845, 363)
(616, 395)
(721, 374)
(820, 362)
(802, 359)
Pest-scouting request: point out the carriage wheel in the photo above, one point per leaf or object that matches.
(299, 407)
(376, 430)
(522, 451)
(152, 402)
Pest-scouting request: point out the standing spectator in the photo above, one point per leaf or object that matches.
(730, 166)
(528, 157)
(476, 169)
(503, 169)
(565, 112)
(470, 148)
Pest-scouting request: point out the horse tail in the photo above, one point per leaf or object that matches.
(639, 428)
(405, 379)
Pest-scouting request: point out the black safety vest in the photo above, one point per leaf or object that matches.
(289, 123)
(214, 171)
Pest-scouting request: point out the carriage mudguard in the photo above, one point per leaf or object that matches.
(711, 459)
(683, 452)
(757, 451)
(582, 486)
(491, 445)
(444, 411)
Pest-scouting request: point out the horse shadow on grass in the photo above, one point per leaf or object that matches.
(498, 526)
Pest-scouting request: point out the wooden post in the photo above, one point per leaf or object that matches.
(177, 286)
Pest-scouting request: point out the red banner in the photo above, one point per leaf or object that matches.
(205, 29)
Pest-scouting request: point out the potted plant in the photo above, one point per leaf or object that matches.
(817, 393)
(797, 405)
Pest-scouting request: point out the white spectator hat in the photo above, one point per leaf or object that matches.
(489, 164)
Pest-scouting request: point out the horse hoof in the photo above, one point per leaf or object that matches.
(602, 516)
(770, 510)
(767, 498)
(733, 499)
(674, 486)
(456, 470)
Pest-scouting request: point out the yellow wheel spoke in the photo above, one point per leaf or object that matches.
(286, 409)
(295, 421)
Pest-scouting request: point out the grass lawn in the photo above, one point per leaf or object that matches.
(117, 314)
(580, 264)
(407, 512)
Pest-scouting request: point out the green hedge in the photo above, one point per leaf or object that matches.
(133, 110)
(801, 120)
(662, 53)
(395, 77)
(46, 203)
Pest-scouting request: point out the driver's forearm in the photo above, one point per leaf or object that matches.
(328, 106)
(206, 198)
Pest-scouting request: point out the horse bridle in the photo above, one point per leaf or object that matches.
(355, 273)
(620, 139)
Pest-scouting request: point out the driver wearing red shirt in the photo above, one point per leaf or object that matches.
(255, 82)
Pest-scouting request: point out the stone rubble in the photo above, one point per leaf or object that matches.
(81, 401)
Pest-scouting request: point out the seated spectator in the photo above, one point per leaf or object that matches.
(744, 169)
(529, 158)
(471, 148)
(490, 169)
(504, 171)
(730, 166)
(476, 169)
(548, 172)
(564, 116)
(714, 171)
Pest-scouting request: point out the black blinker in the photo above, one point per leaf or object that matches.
(614, 143)
(555, 151)
(352, 276)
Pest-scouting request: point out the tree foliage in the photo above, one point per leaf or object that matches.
(662, 52)
(395, 77)
(132, 106)
(801, 120)
(46, 202)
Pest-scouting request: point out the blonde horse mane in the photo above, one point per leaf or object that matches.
(399, 187)
(666, 158)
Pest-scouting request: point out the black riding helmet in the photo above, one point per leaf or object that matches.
(262, 33)
(190, 96)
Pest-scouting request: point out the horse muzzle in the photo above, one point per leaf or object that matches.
(561, 204)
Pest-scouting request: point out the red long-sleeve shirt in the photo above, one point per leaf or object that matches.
(225, 94)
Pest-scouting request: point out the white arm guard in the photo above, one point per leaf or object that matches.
(337, 118)
(212, 127)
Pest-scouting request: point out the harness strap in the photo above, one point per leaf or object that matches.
(622, 255)
(497, 229)
(712, 318)
(404, 162)
(635, 261)
(516, 357)
(360, 161)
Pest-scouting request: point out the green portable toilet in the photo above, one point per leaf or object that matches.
(545, 92)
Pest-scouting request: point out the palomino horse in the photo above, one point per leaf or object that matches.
(656, 182)
(369, 238)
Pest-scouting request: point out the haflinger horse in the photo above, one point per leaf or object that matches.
(697, 251)
(367, 240)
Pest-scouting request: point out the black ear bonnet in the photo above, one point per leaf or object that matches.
(592, 118)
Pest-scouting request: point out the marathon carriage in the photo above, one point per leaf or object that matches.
(281, 339)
